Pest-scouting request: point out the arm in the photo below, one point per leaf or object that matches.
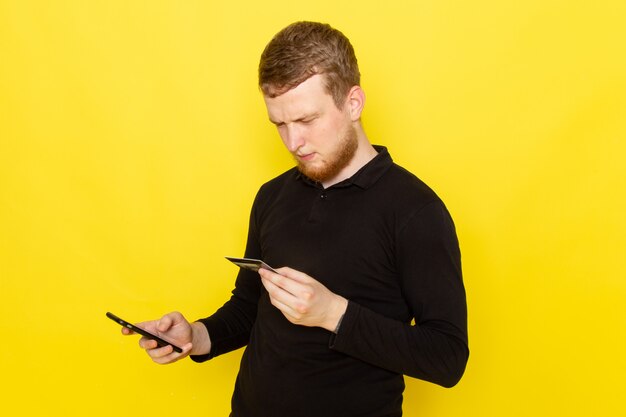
(434, 348)
(428, 259)
(230, 326)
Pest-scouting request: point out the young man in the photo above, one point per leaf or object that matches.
(370, 288)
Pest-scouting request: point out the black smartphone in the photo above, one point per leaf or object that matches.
(145, 333)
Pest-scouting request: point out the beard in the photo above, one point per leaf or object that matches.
(333, 163)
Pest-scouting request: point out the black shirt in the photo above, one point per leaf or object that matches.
(383, 240)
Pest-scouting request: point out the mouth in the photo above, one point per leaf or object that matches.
(306, 157)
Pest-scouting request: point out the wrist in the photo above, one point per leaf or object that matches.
(200, 339)
(338, 324)
(339, 310)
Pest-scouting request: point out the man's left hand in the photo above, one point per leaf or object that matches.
(302, 299)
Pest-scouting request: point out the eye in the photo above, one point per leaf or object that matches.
(281, 128)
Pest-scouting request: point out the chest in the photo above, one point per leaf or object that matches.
(342, 239)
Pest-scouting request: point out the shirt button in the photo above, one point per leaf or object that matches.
(323, 196)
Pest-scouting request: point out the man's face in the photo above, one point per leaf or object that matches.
(319, 135)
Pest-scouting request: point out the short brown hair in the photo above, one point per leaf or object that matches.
(304, 49)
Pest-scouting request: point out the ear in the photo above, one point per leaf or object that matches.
(355, 102)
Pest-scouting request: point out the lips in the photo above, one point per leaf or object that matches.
(306, 157)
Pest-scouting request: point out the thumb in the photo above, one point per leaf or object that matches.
(164, 323)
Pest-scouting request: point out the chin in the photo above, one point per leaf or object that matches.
(314, 174)
(319, 173)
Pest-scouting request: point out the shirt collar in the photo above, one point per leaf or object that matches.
(366, 176)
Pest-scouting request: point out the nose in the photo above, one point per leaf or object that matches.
(292, 136)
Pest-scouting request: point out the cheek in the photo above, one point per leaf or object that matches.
(326, 132)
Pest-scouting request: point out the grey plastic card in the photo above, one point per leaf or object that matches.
(249, 263)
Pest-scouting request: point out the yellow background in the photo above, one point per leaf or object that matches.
(133, 140)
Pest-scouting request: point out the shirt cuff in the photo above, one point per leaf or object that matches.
(337, 340)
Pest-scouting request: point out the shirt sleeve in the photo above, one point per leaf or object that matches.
(435, 346)
(230, 326)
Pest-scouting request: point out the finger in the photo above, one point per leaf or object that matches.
(278, 292)
(287, 311)
(294, 274)
(186, 348)
(166, 354)
(160, 352)
(288, 304)
(126, 331)
(276, 301)
(286, 283)
(147, 343)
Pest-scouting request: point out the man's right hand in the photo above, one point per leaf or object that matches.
(192, 338)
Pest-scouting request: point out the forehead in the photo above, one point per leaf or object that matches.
(308, 97)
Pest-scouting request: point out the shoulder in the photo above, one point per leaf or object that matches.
(421, 217)
(276, 184)
(404, 187)
(416, 206)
